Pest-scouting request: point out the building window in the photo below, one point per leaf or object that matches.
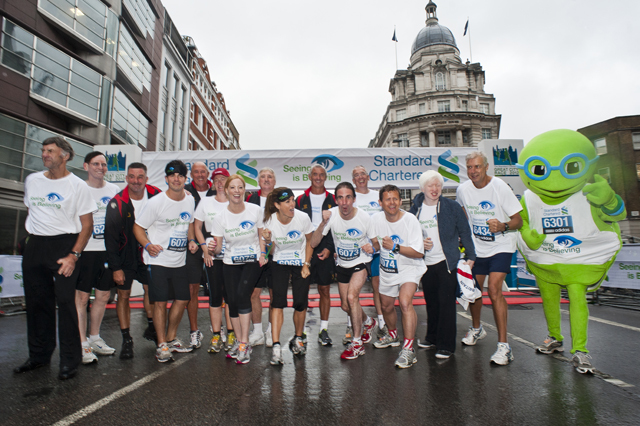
(422, 109)
(127, 122)
(465, 105)
(402, 140)
(86, 18)
(635, 137)
(484, 108)
(486, 134)
(405, 194)
(440, 81)
(605, 172)
(600, 145)
(638, 170)
(465, 138)
(55, 77)
(444, 137)
(132, 62)
(401, 114)
(142, 15)
(444, 106)
(424, 139)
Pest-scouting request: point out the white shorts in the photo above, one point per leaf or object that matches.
(390, 283)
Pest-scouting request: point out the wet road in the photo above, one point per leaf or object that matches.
(203, 388)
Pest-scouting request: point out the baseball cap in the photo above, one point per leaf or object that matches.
(283, 194)
(175, 166)
(220, 171)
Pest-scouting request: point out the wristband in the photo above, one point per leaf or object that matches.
(147, 245)
(394, 246)
(263, 252)
(193, 241)
(203, 244)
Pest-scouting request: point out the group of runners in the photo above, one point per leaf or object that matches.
(90, 235)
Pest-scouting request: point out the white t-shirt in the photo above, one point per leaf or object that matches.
(208, 209)
(394, 267)
(317, 200)
(429, 224)
(494, 201)
(263, 201)
(349, 236)
(289, 241)
(167, 224)
(101, 196)
(368, 203)
(138, 205)
(55, 205)
(240, 232)
(203, 194)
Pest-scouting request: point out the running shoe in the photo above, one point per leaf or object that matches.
(276, 355)
(150, 334)
(177, 345)
(233, 351)
(425, 344)
(582, 362)
(231, 340)
(88, 356)
(367, 331)
(473, 335)
(126, 351)
(549, 346)
(323, 338)
(353, 351)
(382, 331)
(503, 354)
(163, 353)
(100, 347)
(244, 353)
(215, 345)
(195, 339)
(268, 339)
(407, 358)
(256, 339)
(223, 334)
(387, 341)
(298, 346)
(348, 335)
(443, 354)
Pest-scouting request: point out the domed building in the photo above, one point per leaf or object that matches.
(438, 101)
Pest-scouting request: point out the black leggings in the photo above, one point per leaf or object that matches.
(240, 281)
(217, 290)
(440, 286)
(280, 283)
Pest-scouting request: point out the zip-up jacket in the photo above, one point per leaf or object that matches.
(123, 250)
(254, 197)
(303, 203)
(453, 228)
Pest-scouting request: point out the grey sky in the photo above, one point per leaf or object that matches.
(299, 74)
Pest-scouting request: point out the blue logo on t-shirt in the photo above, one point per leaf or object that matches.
(53, 197)
(294, 235)
(105, 200)
(374, 204)
(353, 232)
(567, 241)
(185, 216)
(247, 224)
(486, 205)
(396, 239)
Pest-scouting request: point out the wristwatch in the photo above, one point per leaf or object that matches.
(506, 227)
(77, 254)
(307, 264)
(396, 249)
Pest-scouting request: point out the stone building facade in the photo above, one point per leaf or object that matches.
(438, 101)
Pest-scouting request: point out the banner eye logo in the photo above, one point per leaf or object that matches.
(566, 241)
(329, 162)
(53, 197)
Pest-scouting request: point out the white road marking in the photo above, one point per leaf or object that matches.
(604, 321)
(607, 378)
(90, 409)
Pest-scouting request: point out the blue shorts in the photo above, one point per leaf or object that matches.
(499, 262)
(374, 266)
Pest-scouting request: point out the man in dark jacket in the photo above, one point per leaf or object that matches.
(124, 254)
(314, 200)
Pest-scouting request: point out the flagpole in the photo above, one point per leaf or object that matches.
(396, 46)
(470, 54)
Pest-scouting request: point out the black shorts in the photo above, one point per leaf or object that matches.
(299, 287)
(141, 275)
(168, 284)
(344, 274)
(265, 277)
(499, 262)
(195, 267)
(321, 270)
(94, 272)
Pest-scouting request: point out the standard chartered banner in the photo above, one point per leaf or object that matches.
(625, 272)
(11, 276)
(400, 166)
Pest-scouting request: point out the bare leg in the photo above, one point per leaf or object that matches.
(325, 301)
(409, 316)
(500, 307)
(389, 311)
(123, 309)
(245, 324)
(277, 318)
(216, 318)
(82, 300)
(298, 321)
(256, 306)
(175, 316)
(97, 311)
(353, 297)
(192, 306)
(160, 321)
(148, 305)
(375, 283)
(476, 307)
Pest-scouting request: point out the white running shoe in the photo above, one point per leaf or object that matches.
(503, 354)
(195, 339)
(276, 356)
(582, 362)
(473, 335)
(177, 345)
(256, 339)
(88, 356)
(268, 339)
(101, 348)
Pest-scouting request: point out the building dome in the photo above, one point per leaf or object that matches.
(433, 34)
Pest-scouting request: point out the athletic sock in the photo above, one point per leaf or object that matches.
(257, 328)
(324, 325)
(93, 338)
(150, 321)
(348, 321)
(381, 322)
(276, 343)
(408, 344)
(125, 333)
(393, 333)
(368, 321)
(357, 341)
(268, 328)
(85, 344)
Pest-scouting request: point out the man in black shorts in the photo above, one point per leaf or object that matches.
(124, 254)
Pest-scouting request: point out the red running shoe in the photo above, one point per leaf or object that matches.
(367, 331)
(353, 351)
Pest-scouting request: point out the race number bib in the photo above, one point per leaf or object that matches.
(390, 266)
(177, 244)
(244, 258)
(348, 253)
(482, 232)
(557, 225)
(98, 232)
(290, 262)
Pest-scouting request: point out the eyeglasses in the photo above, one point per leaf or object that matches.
(572, 166)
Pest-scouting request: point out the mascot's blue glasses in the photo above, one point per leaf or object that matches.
(572, 166)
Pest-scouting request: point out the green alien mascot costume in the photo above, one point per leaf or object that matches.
(570, 236)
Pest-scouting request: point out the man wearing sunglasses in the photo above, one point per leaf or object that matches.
(493, 211)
